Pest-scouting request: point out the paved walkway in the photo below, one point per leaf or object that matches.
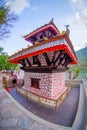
(65, 113)
(14, 117)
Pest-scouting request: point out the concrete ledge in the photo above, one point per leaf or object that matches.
(74, 81)
(80, 119)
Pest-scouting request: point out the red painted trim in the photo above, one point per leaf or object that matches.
(7, 89)
(58, 47)
(43, 28)
(47, 41)
(70, 45)
(43, 42)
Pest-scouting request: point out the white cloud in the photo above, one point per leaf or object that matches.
(79, 25)
(74, 0)
(81, 16)
(77, 15)
(85, 43)
(18, 6)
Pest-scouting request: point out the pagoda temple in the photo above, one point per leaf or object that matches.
(44, 64)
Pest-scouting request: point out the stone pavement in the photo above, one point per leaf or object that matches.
(64, 115)
(13, 117)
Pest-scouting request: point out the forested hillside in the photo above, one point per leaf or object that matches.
(82, 56)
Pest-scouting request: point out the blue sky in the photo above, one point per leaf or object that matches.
(35, 13)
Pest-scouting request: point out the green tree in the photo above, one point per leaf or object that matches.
(6, 20)
(4, 61)
(73, 72)
(1, 50)
(5, 64)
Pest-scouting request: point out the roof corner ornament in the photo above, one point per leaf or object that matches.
(51, 21)
(67, 30)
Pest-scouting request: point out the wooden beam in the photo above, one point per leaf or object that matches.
(45, 69)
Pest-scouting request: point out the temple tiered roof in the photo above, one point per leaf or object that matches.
(53, 49)
(47, 31)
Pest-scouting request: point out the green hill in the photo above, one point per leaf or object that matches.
(82, 65)
(82, 56)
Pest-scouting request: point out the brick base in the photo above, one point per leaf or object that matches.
(50, 84)
(50, 103)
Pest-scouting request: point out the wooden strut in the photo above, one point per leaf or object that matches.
(36, 60)
(28, 62)
(57, 58)
(54, 60)
(22, 62)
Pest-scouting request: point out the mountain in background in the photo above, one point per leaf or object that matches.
(82, 57)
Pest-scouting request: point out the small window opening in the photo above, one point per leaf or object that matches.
(35, 83)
